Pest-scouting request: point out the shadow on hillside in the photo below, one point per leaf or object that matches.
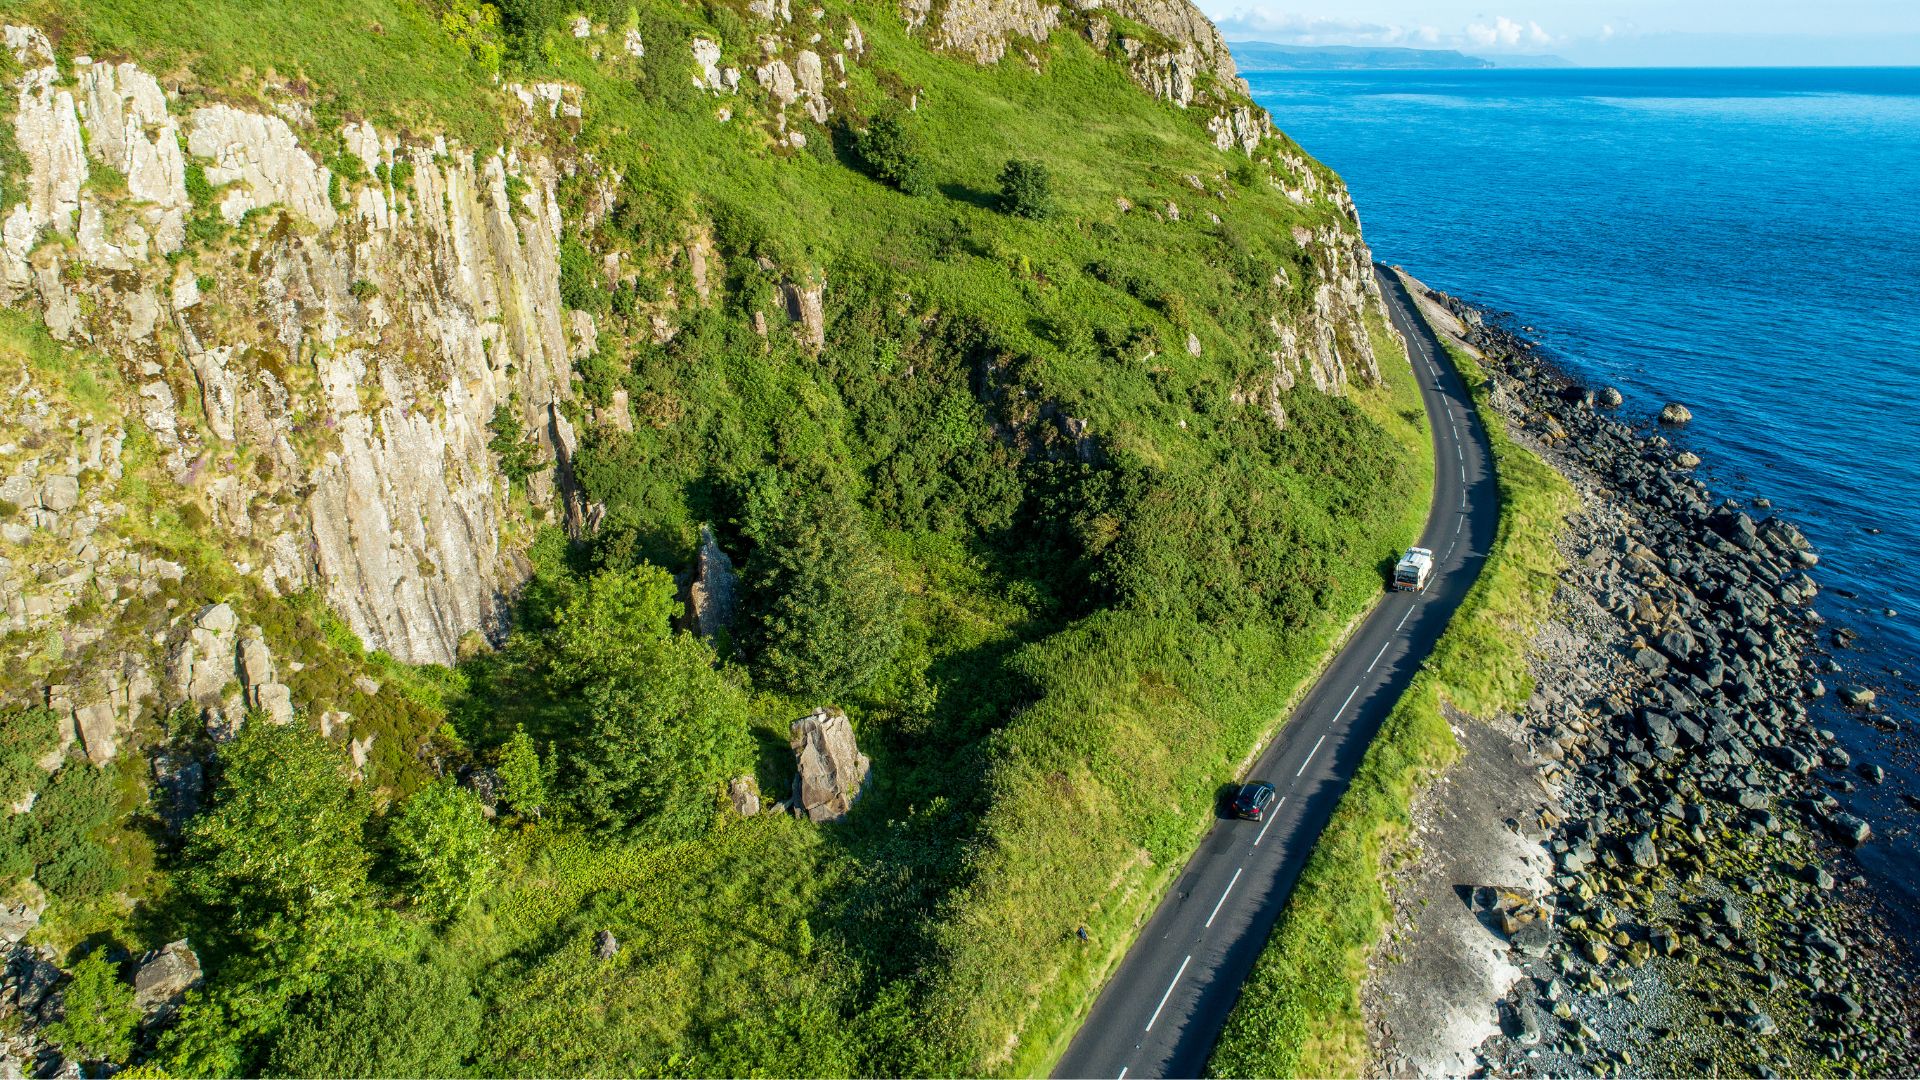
(985, 200)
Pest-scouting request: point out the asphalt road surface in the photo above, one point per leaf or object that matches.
(1163, 1008)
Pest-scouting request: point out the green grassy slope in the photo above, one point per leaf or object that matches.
(1090, 643)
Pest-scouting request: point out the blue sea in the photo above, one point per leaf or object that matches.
(1744, 241)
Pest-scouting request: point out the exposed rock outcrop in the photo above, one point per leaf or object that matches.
(831, 770)
(982, 29)
(387, 317)
(744, 794)
(163, 979)
(712, 600)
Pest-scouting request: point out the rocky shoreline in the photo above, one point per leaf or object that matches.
(1645, 872)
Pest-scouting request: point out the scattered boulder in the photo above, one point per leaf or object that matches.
(1675, 413)
(605, 945)
(276, 700)
(744, 793)
(60, 493)
(203, 664)
(19, 919)
(1687, 459)
(831, 770)
(163, 979)
(1849, 829)
(1610, 397)
(96, 723)
(1856, 696)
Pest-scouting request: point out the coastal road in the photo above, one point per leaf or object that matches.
(1165, 1005)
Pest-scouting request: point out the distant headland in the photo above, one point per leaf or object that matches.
(1253, 56)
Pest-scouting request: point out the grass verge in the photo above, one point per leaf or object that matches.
(1236, 690)
(1299, 1013)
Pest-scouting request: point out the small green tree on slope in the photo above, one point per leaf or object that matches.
(1026, 189)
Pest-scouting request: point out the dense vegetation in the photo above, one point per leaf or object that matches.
(1300, 1012)
(1056, 569)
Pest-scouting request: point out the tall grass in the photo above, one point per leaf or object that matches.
(1299, 1013)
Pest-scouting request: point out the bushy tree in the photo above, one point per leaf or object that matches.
(523, 777)
(443, 847)
(401, 1017)
(659, 730)
(895, 154)
(824, 611)
(99, 1016)
(279, 858)
(1026, 189)
(277, 869)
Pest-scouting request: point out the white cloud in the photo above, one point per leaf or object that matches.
(1290, 28)
(1505, 33)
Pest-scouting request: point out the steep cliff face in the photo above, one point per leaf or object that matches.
(318, 352)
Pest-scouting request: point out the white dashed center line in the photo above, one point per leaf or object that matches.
(1404, 618)
(1381, 653)
(1349, 701)
(1310, 753)
(1224, 895)
(1169, 993)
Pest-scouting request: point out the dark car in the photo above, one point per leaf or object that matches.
(1254, 801)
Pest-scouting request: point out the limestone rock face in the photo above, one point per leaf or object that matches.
(259, 156)
(831, 769)
(203, 664)
(393, 323)
(19, 919)
(1198, 48)
(807, 72)
(983, 29)
(130, 129)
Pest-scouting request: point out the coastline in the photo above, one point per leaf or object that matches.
(1660, 881)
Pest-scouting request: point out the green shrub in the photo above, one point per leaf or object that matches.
(443, 848)
(523, 777)
(1026, 189)
(391, 1017)
(278, 860)
(518, 454)
(99, 1018)
(60, 840)
(580, 281)
(895, 153)
(26, 736)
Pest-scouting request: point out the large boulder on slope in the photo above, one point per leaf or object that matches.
(830, 769)
(163, 979)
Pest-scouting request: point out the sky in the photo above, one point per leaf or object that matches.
(1597, 33)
